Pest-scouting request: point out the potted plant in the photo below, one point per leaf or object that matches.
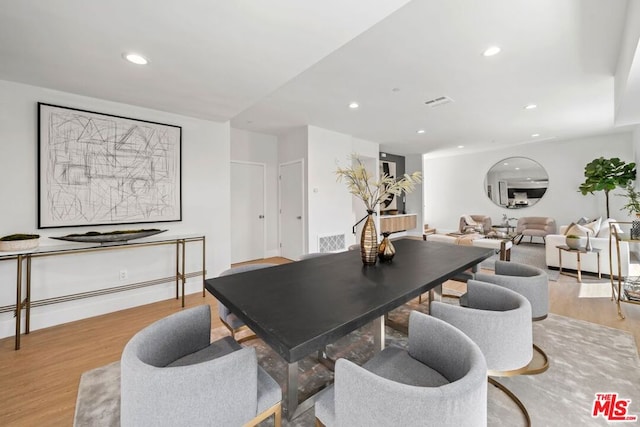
(633, 207)
(605, 175)
(573, 241)
(372, 192)
(633, 201)
(18, 242)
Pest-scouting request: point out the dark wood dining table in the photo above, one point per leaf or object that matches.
(301, 307)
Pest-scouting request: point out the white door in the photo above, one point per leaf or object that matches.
(292, 209)
(247, 211)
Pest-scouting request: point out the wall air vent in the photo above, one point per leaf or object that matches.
(441, 100)
(333, 243)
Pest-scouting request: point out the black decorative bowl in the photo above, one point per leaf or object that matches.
(112, 237)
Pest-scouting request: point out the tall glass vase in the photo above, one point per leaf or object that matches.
(369, 241)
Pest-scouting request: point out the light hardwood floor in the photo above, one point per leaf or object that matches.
(38, 383)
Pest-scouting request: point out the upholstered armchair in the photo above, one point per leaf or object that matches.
(534, 226)
(440, 380)
(232, 322)
(499, 321)
(530, 282)
(171, 375)
(478, 223)
(527, 280)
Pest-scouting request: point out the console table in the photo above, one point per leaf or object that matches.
(25, 257)
(400, 222)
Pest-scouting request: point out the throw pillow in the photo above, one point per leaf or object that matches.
(605, 229)
(582, 221)
(594, 226)
(468, 220)
(578, 230)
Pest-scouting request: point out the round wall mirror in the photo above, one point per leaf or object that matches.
(516, 183)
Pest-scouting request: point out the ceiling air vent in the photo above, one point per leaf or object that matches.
(436, 102)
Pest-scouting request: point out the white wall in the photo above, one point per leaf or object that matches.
(256, 147)
(205, 183)
(369, 153)
(330, 204)
(454, 186)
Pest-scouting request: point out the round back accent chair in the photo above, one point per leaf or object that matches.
(499, 321)
(440, 380)
(532, 283)
(172, 375)
(534, 226)
(230, 320)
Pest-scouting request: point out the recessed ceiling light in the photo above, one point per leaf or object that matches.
(535, 135)
(460, 146)
(420, 131)
(493, 50)
(530, 107)
(517, 169)
(354, 105)
(135, 58)
(506, 164)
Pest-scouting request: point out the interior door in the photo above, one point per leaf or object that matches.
(292, 209)
(247, 211)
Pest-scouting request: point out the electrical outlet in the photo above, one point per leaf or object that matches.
(123, 274)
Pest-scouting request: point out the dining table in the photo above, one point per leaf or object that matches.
(300, 307)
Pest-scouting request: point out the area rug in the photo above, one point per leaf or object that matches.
(585, 359)
(595, 289)
(525, 253)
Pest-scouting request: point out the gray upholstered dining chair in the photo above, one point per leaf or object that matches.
(172, 375)
(440, 380)
(313, 255)
(531, 282)
(229, 319)
(499, 321)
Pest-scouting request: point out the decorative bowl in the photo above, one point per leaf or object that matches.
(18, 245)
(110, 237)
(573, 242)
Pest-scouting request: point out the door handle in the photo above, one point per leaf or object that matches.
(261, 216)
(298, 217)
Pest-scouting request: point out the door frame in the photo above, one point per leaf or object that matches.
(303, 210)
(264, 201)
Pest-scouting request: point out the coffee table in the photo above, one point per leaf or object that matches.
(578, 251)
(301, 307)
(501, 245)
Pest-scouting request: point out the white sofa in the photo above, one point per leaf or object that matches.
(588, 262)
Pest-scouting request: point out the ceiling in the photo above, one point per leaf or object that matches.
(272, 66)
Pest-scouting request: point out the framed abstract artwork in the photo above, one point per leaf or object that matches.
(99, 169)
(389, 169)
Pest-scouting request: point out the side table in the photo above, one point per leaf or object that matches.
(565, 248)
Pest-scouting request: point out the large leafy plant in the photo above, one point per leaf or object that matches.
(607, 174)
(633, 201)
(371, 190)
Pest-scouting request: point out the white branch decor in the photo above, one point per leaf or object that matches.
(372, 190)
